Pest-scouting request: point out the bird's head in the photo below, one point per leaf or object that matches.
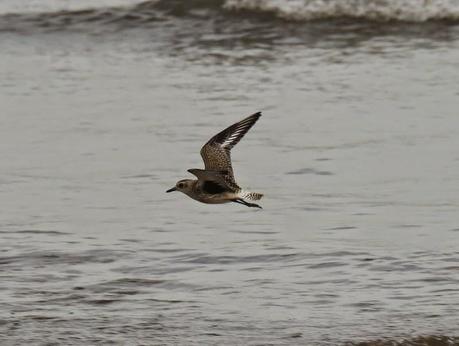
(184, 186)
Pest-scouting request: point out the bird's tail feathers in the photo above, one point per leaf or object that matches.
(252, 196)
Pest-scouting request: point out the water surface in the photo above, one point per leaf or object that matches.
(105, 107)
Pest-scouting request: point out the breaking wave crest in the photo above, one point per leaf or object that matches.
(145, 13)
(381, 10)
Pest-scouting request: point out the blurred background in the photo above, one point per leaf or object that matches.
(105, 104)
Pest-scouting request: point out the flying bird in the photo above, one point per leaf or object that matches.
(216, 183)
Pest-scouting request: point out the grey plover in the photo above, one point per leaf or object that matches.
(216, 183)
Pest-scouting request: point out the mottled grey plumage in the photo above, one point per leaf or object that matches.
(216, 183)
(216, 153)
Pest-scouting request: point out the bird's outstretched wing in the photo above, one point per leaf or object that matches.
(216, 153)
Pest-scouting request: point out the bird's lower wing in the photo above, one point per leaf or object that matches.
(218, 176)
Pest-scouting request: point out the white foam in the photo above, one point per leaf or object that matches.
(401, 10)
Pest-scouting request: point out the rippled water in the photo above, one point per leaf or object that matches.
(356, 153)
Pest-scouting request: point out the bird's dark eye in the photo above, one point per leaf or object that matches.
(180, 185)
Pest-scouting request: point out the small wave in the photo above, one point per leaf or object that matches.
(82, 19)
(50, 258)
(309, 171)
(431, 340)
(36, 231)
(379, 10)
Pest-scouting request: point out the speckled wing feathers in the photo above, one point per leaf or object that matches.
(216, 152)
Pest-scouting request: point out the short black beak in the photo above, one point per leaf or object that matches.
(173, 189)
